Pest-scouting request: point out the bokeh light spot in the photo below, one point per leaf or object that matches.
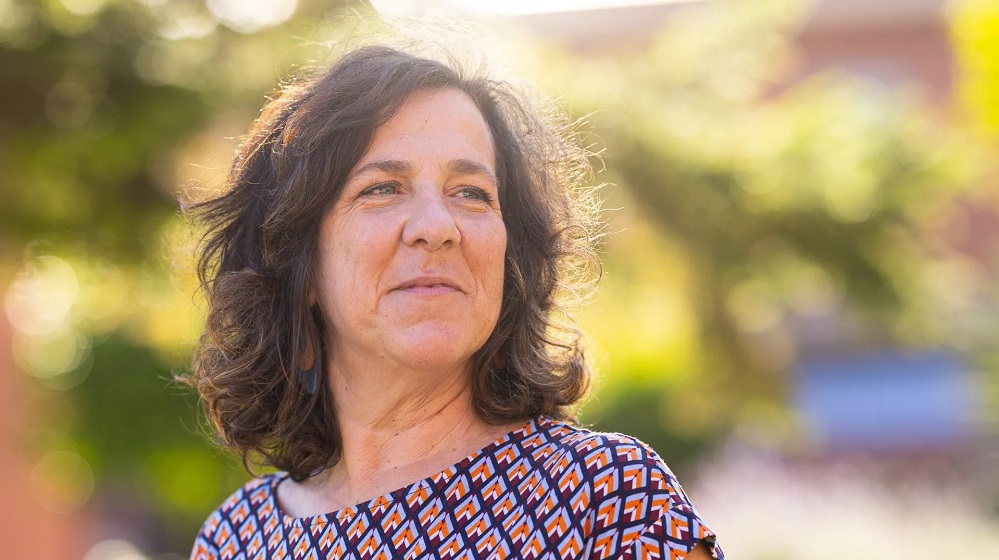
(179, 21)
(40, 299)
(52, 354)
(83, 7)
(114, 549)
(752, 305)
(62, 482)
(69, 105)
(250, 16)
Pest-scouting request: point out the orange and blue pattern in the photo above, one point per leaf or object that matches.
(548, 490)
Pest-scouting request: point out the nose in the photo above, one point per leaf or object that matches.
(430, 222)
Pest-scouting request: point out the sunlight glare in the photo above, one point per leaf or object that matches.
(250, 16)
(508, 8)
(525, 7)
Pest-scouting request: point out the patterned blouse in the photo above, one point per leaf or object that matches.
(546, 490)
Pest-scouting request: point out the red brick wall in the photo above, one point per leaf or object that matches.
(27, 530)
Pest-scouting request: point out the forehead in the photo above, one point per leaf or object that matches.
(438, 123)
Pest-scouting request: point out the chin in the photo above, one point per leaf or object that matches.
(436, 348)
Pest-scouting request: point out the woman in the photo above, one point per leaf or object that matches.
(382, 276)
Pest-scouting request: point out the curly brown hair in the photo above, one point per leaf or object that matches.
(258, 254)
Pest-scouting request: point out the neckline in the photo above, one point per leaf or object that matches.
(530, 427)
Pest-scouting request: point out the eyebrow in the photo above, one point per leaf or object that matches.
(459, 166)
(469, 167)
(388, 166)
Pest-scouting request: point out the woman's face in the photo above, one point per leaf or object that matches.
(412, 254)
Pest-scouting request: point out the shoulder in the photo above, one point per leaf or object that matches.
(248, 504)
(633, 497)
(603, 453)
(604, 465)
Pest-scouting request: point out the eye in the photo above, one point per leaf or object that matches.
(475, 193)
(381, 189)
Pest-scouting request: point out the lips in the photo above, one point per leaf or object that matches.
(430, 285)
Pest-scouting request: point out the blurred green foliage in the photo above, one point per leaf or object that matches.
(99, 95)
(773, 207)
(744, 207)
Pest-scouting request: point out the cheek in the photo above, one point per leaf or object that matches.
(328, 282)
(349, 268)
(494, 262)
(337, 271)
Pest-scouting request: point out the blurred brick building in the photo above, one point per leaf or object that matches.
(27, 529)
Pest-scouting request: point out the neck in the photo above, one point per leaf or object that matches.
(397, 426)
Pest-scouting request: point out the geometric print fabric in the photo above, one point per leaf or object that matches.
(548, 490)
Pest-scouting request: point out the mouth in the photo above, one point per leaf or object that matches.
(429, 285)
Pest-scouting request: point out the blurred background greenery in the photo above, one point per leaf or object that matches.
(768, 209)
